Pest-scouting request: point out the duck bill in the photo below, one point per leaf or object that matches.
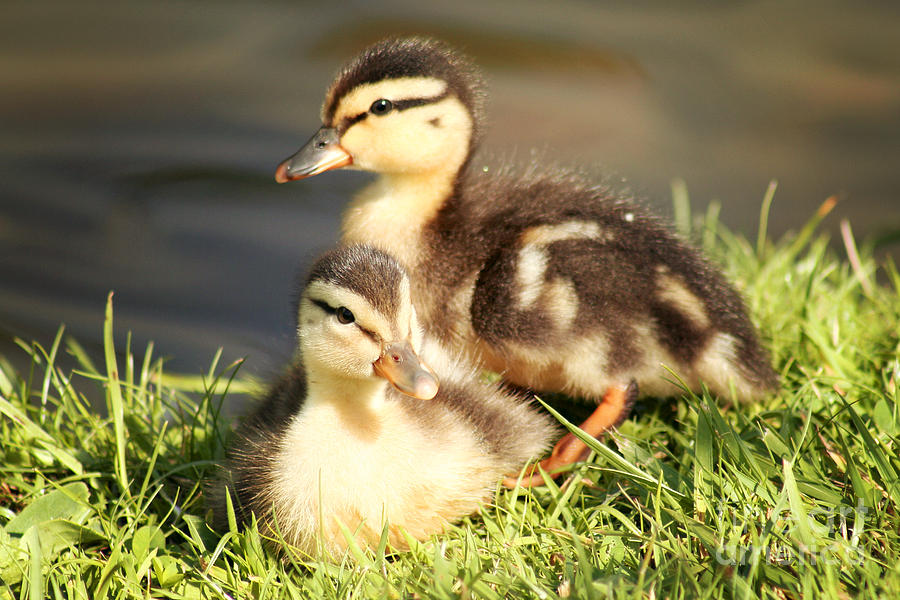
(321, 153)
(400, 366)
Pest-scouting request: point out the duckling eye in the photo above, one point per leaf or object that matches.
(381, 107)
(344, 315)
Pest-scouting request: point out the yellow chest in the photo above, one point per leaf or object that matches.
(391, 213)
(362, 474)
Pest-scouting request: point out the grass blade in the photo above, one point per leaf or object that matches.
(764, 219)
(607, 453)
(115, 403)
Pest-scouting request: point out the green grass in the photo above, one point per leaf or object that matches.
(696, 497)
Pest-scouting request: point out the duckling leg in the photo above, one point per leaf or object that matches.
(611, 411)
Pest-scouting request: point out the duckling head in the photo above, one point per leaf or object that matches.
(403, 106)
(357, 326)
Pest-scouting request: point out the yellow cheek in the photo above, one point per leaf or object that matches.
(408, 141)
(355, 141)
(384, 144)
(340, 349)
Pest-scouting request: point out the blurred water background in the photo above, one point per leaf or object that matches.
(138, 140)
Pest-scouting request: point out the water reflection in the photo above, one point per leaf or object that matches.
(139, 140)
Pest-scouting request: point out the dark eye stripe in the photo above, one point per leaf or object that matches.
(333, 311)
(348, 122)
(413, 102)
(324, 306)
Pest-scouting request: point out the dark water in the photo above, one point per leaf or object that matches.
(138, 140)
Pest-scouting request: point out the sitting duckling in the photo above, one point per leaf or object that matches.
(547, 278)
(333, 443)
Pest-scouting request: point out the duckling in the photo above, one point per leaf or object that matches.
(555, 282)
(360, 432)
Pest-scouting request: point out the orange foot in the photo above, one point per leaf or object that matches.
(611, 411)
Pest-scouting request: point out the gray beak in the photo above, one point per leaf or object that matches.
(321, 153)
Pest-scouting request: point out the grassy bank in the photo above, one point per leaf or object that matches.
(693, 497)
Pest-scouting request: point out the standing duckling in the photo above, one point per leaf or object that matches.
(547, 278)
(334, 443)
